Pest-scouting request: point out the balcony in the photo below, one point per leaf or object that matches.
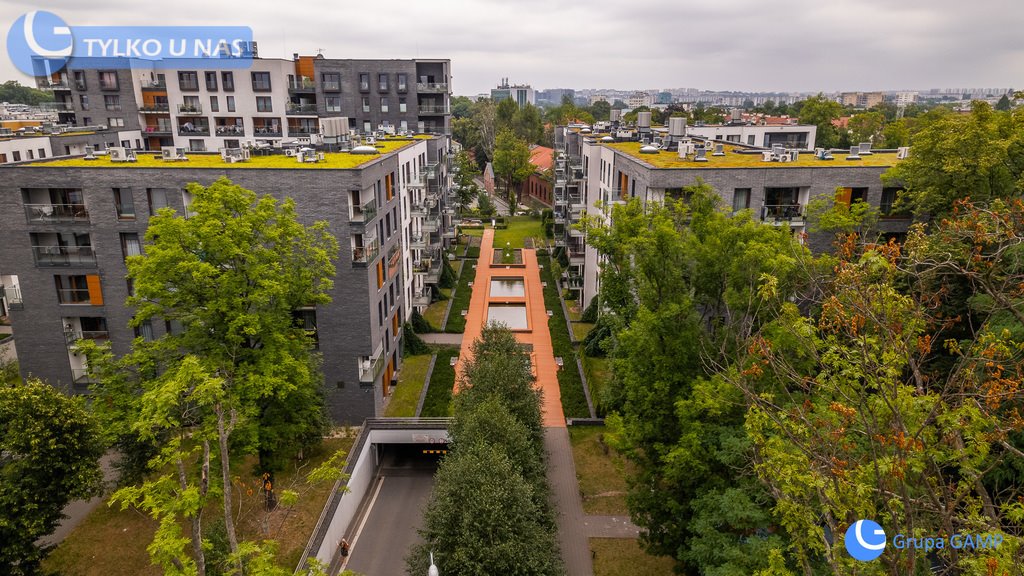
(429, 109)
(230, 130)
(417, 242)
(782, 212)
(193, 130)
(418, 211)
(39, 213)
(69, 256)
(364, 213)
(81, 376)
(301, 85)
(158, 130)
(417, 181)
(364, 255)
(61, 84)
(267, 131)
(155, 108)
(157, 85)
(301, 109)
(431, 223)
(303, 130)
(190, 109)
(72, 336)
(433, 275)
(370, 368)
(431, 87)
(576, 254)
(421, 298)
(61, 106)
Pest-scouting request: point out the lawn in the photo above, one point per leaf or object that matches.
(615, 556)
(439, 395)
(463, 293)
(600, 470)
(410, 383)
(581, 329)
(519, 229)
(435, 312)
(112, 542)
(599, 375)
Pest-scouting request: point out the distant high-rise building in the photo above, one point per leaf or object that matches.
(663, 98)
(638, 99)
(861, 99)
(523, 94)
(554, 96)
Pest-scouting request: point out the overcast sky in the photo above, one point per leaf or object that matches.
(748, 45)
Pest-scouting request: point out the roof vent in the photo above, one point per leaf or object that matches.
(643, 120)
(365, 150)
(854, 153)
(607, 139)
(648, 150)
(677, 127)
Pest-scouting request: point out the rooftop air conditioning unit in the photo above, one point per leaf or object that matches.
(854, 153)
(121, 154)
(719, 150)
(902, 152)
(90, 153)
(865, 148)
(167, 152)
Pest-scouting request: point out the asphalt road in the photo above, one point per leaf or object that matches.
(389, 530)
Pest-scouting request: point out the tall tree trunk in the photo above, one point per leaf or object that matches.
(196, 521)
(223, 430)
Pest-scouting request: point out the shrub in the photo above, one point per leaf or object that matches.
(419, 323)
(412, 344)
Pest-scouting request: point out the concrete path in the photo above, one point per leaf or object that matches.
(442, 339)
(572, 533)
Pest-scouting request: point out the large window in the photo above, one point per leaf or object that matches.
(382, 82)
(334, 104)
(130, 245)
(383, 103)
(740, 199)
(402, 83)
(188, 81)
(231, 103)
(264, 104)
(112, 102)
(331, 81)
(261, 81)
(108, 80)
(227, 79)
(211, 81)
(124, 204)
(364, 82)
(157, 199)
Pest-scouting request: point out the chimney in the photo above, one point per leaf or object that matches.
(295, 56)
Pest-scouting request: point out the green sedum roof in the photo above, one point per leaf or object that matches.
(665, 159)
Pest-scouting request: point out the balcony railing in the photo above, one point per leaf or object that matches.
(50, 85)
(418, 211)
(72, 336)
(158, 130)
(230, 130)
(431, 87)
(190, 109)
(155, 108)
(154, 85)
(193, 131)
(307, 109)
(73, 296)
(301, 85)
(421, 298)
(417, 242)
(431, 224)
(430, 109)
(56, 213)
(433, 275)
(782, 212)
(267, 131)
(61, 106)
(365, 254)
(303, 130)
(365, 212)
(370, 368)
(81, 375)
(64, 255)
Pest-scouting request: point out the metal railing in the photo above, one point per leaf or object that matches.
(431, 223)
(155, 108)
(56, 213)
(47, 85)
(61, 106)
(73, 296)
(190, 108)
(365, 254)
(417, 242)
(81, 375)
(782, 212)
(230, 130)
(364, 212)
(418, 211)
(72, 336)
(194, 131)
(158, 129)
(303, 130)
(303, 84)
(421, 298)
(300, 108)
(430, 109)
(155, 85)
(64, 255)
(267, 131)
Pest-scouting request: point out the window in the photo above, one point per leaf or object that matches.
(740, 199)
(334, 104)
(31, 154)
(16, 155)
(402, 83)
(186, 201)
(83, 99)
(231, 103)
(227, 79)
(214, 104)
(889, 197)
(112, 102)
(115, 122)
(42, 153)
(211, 81)
(305, 319)
(750, 140)
(401, 104)
(366, 128)
(364, 82)
(108, 80)
(366, 104)
(331, 81)
(732, 138)
(264, 104)
(157, 199)
(78, 289)
(197, 145)
(80, 80)
(261, 81)
(130, 245)
(144, 330)
(188, 81)
(383, 104)
(124, 203)
(382, 82)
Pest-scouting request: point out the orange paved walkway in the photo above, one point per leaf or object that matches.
(543, 356)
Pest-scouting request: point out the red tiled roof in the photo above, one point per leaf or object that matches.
(542, 158)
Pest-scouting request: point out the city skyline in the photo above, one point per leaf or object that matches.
(744, 46)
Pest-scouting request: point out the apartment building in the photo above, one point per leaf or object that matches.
(861, 99)
(69, 224)
(595, 170)
(523, 94)
(272, 101)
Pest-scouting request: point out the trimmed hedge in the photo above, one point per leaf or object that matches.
(460, 301)
(438, 402)
(574, 401)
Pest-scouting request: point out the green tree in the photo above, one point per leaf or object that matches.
(461, 106)
(49, 455)
(1004, 104)
(239, 374)
(600, 110)
(896, 134)
(12, 91)
(978, 156)
(466, 189)
(505, 112)
(821, 111)
(485, 205)
(512, 164)
(866, 127)
(527, 125)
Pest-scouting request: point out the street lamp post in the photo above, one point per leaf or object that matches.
(432, 571)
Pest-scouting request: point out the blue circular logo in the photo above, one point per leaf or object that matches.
(39, 43)
(865, 540)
